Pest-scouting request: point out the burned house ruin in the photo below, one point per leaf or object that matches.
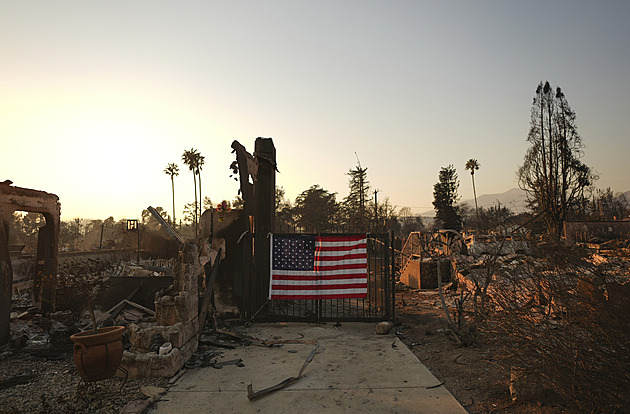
(23, 199)
(215, 275)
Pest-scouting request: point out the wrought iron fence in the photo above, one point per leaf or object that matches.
(377, 305)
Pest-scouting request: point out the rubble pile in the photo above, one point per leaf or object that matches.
(37, 373)
(557, 313)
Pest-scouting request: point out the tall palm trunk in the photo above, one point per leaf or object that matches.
(173, 188)
(195, 181)
(476, 207)
(200, 197)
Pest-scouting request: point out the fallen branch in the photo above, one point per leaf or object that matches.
(218, 344)
(252, 395)
(221, 364)
(435, 386)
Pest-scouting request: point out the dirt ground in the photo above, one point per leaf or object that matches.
(471, 373)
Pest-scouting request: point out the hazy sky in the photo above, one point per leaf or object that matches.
(96, 98)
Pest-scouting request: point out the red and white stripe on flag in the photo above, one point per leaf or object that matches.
(318, 267)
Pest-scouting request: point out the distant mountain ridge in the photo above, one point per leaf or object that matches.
(515, 199)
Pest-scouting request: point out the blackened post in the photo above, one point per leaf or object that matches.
(44, 278)
(393, 275)
(264, 213)
(138, 254)
(247, 293)
(6, 283)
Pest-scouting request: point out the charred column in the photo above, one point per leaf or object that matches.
(259, 207)
(45, 279)
(264, 194)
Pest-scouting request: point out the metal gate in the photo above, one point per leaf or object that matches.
(378, 305)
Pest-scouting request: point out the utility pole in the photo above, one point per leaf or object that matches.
(362, 190)
(138, 255)
(376, 209)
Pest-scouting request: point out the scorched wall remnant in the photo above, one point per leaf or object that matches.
(45, 271)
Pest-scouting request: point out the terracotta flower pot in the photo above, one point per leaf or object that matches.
(97, 356)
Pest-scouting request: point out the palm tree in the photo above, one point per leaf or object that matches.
(473, 165)
(172, 169)
(189, 158)
(199, 162)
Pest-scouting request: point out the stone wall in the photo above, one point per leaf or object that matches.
(176, 314)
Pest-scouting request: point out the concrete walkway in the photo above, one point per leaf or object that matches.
(354, 370)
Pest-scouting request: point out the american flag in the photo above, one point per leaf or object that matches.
(318, 267)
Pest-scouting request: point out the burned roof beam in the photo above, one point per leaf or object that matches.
(166, 227)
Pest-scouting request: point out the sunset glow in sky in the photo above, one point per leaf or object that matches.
(96, 98)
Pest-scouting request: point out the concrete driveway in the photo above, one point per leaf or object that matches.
(354, 370)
